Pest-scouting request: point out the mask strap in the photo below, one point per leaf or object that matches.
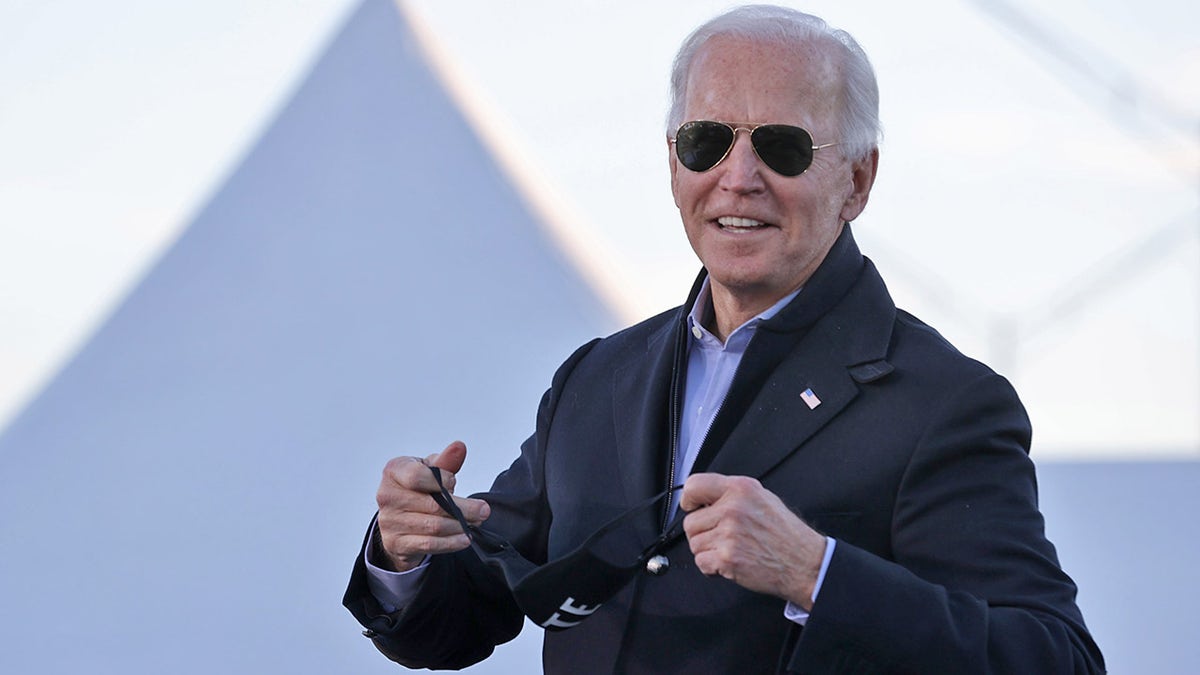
(673, 532)
(493, 544)
(489, 542)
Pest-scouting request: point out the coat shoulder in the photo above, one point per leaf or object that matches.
(629, 343)
(917, 344)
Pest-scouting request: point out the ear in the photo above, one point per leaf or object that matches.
(673, 162)
(862, 177)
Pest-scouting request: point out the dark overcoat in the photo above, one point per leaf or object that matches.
(915, 460)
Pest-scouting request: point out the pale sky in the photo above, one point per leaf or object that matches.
(1015, 195)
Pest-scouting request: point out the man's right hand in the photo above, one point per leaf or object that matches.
(411, 524)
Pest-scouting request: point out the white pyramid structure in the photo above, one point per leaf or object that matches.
(187, 495)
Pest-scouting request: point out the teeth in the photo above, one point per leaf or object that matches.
(734, 221)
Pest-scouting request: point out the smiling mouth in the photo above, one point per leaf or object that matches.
(736, 224)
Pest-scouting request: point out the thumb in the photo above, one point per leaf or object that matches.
(701, 489)
(450, 459)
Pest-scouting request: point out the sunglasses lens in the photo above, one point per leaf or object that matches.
(700, 145)
(784, 148)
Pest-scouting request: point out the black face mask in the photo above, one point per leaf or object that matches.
(564, 592)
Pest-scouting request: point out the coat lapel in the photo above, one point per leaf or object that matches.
(808, 389)
(803, 366)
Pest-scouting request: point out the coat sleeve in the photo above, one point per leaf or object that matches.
(972, 585)
(463, 609)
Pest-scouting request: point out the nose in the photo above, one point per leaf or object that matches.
(741, 170)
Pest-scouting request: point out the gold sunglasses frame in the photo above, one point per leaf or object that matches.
(748, 128)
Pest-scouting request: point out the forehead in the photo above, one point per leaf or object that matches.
(734, 79)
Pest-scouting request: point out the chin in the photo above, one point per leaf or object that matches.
(741, 284)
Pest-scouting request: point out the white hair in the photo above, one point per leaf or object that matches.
(859, 125)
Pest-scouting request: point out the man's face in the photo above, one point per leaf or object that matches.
(761, 234)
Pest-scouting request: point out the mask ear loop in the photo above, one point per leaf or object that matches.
(670, 535)
(480, 537)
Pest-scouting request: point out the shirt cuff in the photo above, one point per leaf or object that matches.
(795, 613)
(393, 590)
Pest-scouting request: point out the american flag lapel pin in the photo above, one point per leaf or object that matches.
(810, 398)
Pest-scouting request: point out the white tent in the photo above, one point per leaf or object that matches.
(187, 495)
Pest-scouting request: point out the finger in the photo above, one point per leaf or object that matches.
(411, 473)
(406, 472)
(410, 548)
(396, 524)
(407, 485)
(474, 510)
(713, 563)
(699, 521)
(413, 523)
(394, 499)
(702, 489)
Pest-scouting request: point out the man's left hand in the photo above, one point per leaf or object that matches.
(740, 530)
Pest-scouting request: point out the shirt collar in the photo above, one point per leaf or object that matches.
(703, 307)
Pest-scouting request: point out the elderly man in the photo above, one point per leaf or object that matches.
(858, 494)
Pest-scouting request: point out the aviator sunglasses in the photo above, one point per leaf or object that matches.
(786, 149)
